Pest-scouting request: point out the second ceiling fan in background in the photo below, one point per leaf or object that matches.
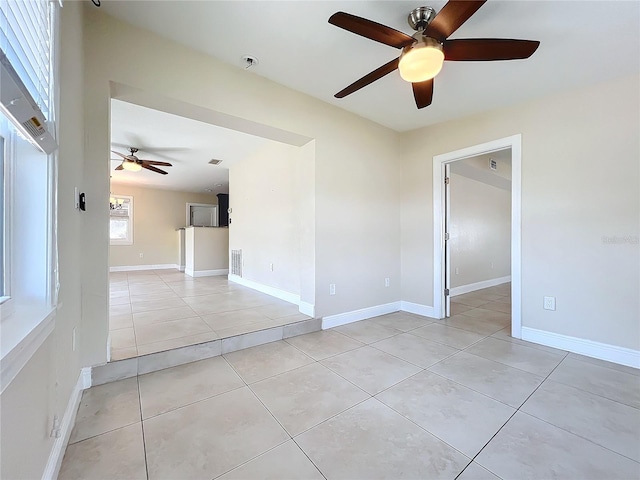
(424, 52)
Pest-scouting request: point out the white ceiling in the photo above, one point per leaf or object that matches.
(185, 143)
(582, 42)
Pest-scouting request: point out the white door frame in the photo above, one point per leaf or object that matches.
(515, 143)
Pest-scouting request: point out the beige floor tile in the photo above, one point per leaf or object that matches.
(476, 472)
(175, 387)
(286, 461)
(604, 363)
(402, 321)
(122, 338)
(279, 310)
(505, 334)
(451, 336)
(525, 358)
(118, 454)
(118, 292)
(483, 326)
(165, 345)
(606, 382)
(220, 321)
(119, 301)
(152, 294)
(324, 344)
(211, 437)
(530, 448)
(123, 353)
(414, 349)
(257, 363)
(306, 396)
(464, 419)
(116, 310)
(120, 321)
(500, 382)
(170, 330)
(370, 369)
(105, 408)
(610, 424)
(150, 289)
(164, 315)
(367, 331)
(458, 308)
(496, 306)
(150, 305)
(485, 314)
(469, 301)
(372, 441)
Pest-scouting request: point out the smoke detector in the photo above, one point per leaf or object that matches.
(249, 61)
(215, 161)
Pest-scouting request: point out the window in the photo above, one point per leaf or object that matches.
(121, 220)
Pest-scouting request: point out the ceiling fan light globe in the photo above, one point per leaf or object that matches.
(421, 61)
(131, 166)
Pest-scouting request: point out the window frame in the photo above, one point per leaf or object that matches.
(129, 240)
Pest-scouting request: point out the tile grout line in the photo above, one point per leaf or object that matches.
(144, 440)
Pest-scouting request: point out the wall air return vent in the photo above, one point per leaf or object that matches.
(214, 161)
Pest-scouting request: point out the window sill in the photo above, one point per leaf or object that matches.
(24, 330)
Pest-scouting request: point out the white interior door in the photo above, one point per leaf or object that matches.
(447, 243)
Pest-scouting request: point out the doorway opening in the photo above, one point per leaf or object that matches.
(442, 165)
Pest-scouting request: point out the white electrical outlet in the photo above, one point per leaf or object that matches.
(332, 289)
(457, 270)
(271, 267)
(386, 282)
(142, 255)
(549, 303)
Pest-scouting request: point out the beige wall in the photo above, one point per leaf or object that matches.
(206, 249)
(480, 229)
(267, 194)
(580, 183)
(43, 387)
(156, 216)
(356, 235)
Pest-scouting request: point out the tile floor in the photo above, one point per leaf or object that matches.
(397, 396)
(157, 310)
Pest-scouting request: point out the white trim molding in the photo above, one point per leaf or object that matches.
(357, 315)
(309, 309)
(274, 292)
(602, 351)
(439, 161)
(206, 273)
(133, 268)
(417, 309)
(66, 426)
(472, 287)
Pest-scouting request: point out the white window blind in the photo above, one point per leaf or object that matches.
(26, 28)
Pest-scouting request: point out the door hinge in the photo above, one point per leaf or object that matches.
(446, 180)
(446, 292)
(446, 237)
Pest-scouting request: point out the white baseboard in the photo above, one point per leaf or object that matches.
(472, 287)
(133, 268)
(602, 351)
(181, 268)
(66, 426)
(274, 292)
(418, 309)
(308, 309)
(206, 273)
(357, 315)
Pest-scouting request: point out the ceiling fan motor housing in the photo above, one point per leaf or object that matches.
(420, 18)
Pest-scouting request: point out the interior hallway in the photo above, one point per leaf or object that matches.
(396, 396)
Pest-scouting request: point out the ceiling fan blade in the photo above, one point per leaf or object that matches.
(487, 49)
(153, 162)
(372, 30)
(451, 17)
(153, 169)
(118, 153)
(369, 78)
(120, 167)
(423, 93)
